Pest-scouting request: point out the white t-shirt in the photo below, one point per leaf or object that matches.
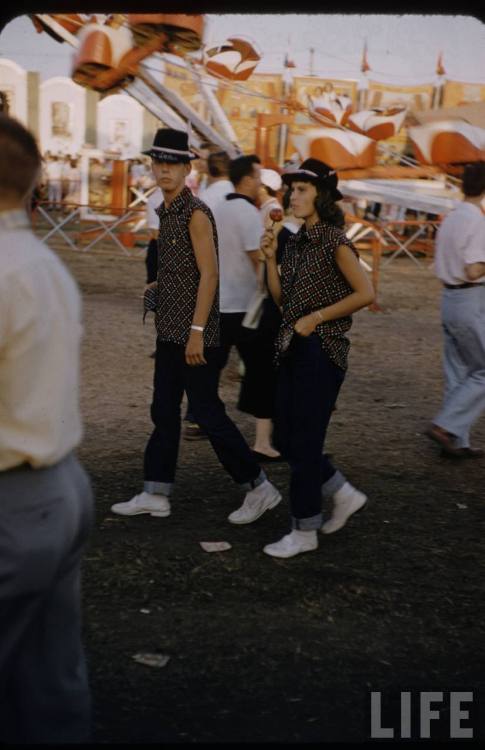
(239, 230)
(460, 240)
(40, 334)
(216, 192)
(153, 202)
(53, 170)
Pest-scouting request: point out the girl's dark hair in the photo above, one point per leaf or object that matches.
(327, 209)
(285, 199)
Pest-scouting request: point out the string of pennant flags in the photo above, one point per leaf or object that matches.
(194, 68)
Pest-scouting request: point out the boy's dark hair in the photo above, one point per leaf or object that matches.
(474, 179)
(242, 167)
(20, 158)
(218, 164)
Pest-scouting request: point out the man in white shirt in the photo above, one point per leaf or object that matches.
(460, 265)
(46, 503)
(219, 184)
(53, 170)
(239, 228)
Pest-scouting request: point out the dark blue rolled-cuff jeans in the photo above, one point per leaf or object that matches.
(172, 376)
(307, 388)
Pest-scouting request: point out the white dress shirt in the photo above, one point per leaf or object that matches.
(460, 240)
(40, 333)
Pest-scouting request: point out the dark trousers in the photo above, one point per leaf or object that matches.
(151, 261)
(307, 389)
(172, 376)
(45, 518)
(233, 334)
(151, 264)
(255, 347)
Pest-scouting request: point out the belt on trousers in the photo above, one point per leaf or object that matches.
(466, 285)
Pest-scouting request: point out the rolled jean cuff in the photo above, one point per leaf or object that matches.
(333, 485)
(307, 524)
(253, 483)
(158, 488)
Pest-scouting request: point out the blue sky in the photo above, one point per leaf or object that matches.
(401, 49)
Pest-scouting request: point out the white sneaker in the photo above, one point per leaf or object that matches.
(155, 505)
(264, 497)
(347, 500)
(293, 544)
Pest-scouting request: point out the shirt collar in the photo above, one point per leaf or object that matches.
(177, 204)
(233, 196)
(314, 233)
(16, 219)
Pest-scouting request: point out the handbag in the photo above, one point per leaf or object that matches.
(254, 312)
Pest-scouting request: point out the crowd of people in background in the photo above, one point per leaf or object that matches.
(60, 181)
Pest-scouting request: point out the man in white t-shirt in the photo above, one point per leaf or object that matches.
(219, 184)
(239, 228)
(46, 507)
(53, 171)
(460, 265)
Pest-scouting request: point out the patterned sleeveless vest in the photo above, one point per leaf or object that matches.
(178, 276)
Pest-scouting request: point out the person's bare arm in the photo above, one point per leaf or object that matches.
(474, 271)
(362, 294)
(254, 258)
(268, 248)
(200, 229)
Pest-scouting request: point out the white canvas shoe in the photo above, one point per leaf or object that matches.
(155, 505)
(264, 497)
(347, 500)
(293, 544)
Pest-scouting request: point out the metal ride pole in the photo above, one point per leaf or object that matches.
(185, 111)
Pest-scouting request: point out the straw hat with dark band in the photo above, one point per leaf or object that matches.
(170, 145)
(316, 172)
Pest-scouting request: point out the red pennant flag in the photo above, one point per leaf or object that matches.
(440, 71)
(364, 66)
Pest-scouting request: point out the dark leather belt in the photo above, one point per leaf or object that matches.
(466, 285)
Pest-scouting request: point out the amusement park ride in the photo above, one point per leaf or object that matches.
(112, 52)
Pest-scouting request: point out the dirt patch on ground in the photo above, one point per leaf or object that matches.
(260, 649)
